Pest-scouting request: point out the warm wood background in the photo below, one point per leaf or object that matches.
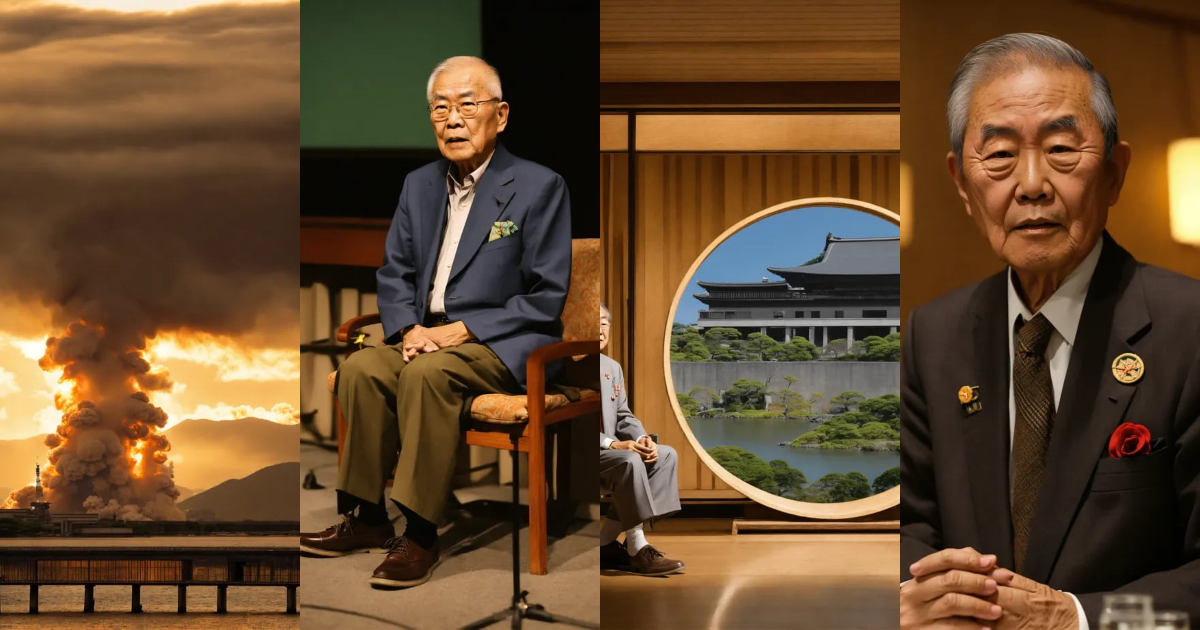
(749, 40)
(683, 202)
(1154, 70)
(749, 104)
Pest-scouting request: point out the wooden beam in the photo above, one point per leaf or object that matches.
(768, 132)
(745, 525)
(785, 94)
(342, 241)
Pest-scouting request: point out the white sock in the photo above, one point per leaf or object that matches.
(609, 530)
(635, 540)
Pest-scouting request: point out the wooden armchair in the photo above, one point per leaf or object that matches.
(496, 416)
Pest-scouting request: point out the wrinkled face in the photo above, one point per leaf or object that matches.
(603, 332)
(467, 141)
(1034, 176)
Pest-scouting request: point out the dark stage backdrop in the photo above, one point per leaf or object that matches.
(547, 56)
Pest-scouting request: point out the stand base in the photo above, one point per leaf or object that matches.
(747, 525)
(522, 609)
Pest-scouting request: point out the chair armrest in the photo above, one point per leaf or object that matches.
(353, 324)
(560, 350)
(535, 371)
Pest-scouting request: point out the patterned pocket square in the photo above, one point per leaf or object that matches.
(501, 229)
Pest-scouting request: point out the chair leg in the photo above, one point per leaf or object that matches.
(538, 564)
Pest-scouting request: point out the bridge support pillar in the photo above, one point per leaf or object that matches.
(291, 605)
(221, 598)
(89, 598)
(182, 598)
(136, 605)
(33, 596)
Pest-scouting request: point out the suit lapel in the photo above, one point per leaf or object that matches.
(493, 195)
(607, 391)
(987, 430)
(1092, 402)
(429, 224)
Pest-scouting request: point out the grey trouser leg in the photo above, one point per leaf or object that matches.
(418, 405)
(641, 492)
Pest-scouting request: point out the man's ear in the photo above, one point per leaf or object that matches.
(1117, 166)
(956, 175)
(502, 112)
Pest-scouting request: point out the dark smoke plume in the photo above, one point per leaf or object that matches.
(150, 184)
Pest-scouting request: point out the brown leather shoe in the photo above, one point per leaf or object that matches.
(650, 561)
(349, 536)
(407, 564)
(613, 557)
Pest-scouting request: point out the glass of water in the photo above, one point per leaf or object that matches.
(1171, 620)
(1127, 612)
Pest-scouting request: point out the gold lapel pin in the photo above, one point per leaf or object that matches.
(968, 395)
(1128, 368)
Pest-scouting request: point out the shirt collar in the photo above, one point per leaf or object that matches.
(1065, 307)
(473, 178)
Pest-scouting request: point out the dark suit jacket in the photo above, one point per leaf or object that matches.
(509, 292)
(1101, 524)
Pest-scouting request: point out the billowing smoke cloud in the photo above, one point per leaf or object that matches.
(151, 184)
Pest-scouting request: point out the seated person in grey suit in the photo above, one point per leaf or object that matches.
(639, 473)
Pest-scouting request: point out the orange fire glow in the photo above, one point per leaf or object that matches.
(102, 388)
(234, 361)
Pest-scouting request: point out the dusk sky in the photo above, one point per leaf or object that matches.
(151, 188)
(787, 239)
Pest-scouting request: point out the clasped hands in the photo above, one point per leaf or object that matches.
(643, 446)
(962, 588)
(421, 340)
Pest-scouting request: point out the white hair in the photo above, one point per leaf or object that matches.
(1005, 53)
(491, 78)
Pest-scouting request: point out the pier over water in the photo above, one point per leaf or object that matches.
(160, 561)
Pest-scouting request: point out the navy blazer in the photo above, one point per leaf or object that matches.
(509, 292)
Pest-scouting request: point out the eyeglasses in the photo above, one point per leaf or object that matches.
(467, 109)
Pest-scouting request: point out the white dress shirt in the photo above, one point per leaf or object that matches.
(458, 206)
(1063, 309)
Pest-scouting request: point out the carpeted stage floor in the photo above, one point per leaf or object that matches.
(472, 581)
(756, 581)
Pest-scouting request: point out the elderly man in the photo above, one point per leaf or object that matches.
(1050, 449)
(475, 278)
(639, 473)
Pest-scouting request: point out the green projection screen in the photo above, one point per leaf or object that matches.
(364, 64)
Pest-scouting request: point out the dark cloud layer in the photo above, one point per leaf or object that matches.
(149, 168)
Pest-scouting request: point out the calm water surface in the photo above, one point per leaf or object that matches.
(762, 437)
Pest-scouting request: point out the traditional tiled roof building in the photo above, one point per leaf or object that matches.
(851, 291)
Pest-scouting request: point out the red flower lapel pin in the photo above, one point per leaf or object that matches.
(1129, 440)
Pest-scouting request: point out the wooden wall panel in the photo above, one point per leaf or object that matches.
(614, 132)
(683, 202)
(614, 234)
(749, 40)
